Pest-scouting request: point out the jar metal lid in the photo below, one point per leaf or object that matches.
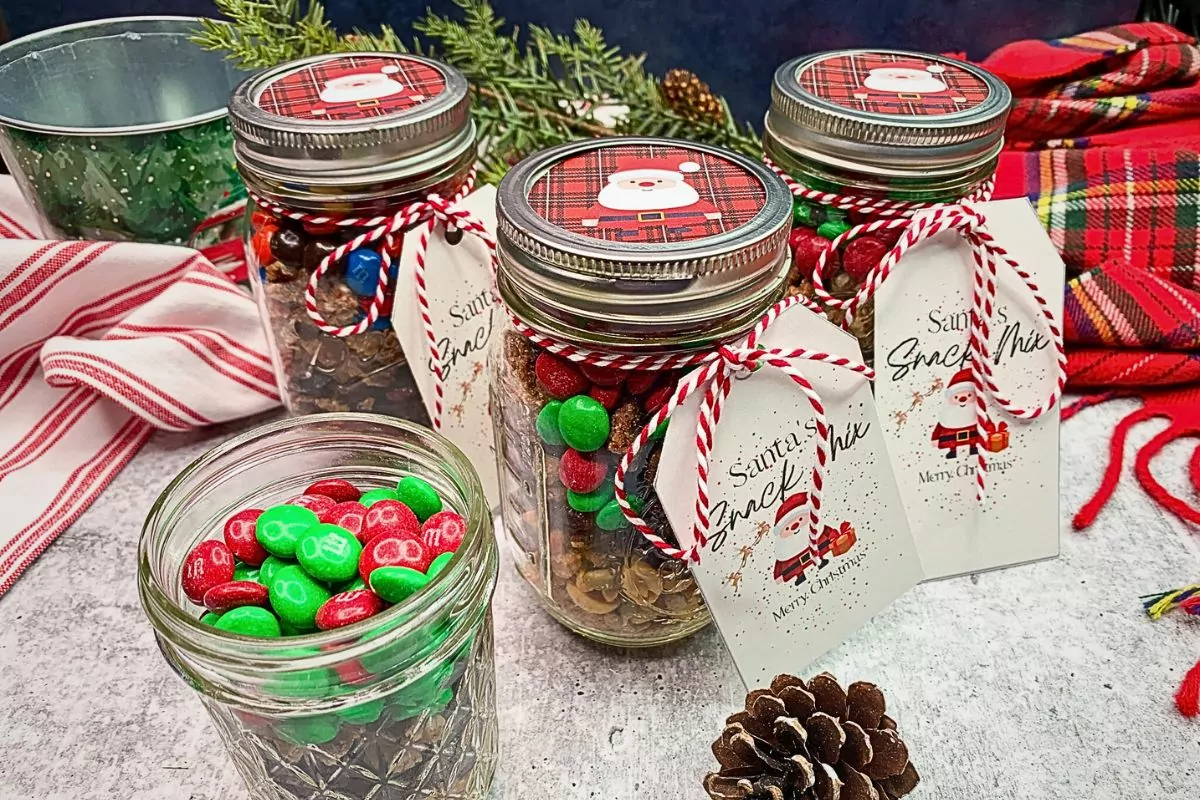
(641, 242)
(888, 112)
(351, 118)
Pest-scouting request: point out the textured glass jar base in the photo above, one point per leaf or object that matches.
(420, 746)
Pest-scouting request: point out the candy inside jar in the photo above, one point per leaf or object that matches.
(329, 176)
(622, 262)
(325, 583)
(874, 136)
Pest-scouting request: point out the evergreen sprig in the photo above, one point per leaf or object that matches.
(528, 95)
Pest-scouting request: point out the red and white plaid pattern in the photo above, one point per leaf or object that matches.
(920, 221)
(101, 343)
(386, 233)
(569, 189)
(298, 93)
(841, 79)
(714, 376)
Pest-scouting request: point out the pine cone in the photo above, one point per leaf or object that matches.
(814, 742)
(686, 94)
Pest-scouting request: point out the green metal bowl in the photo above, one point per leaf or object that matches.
(116, 129)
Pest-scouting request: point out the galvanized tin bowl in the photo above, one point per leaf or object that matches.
(116, 129)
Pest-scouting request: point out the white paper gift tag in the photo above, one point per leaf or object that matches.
(925, 397)
(465, 317)
(777, 603)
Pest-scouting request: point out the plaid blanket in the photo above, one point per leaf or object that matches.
(1104, 140)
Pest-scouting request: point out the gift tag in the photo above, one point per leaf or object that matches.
(778, 601)
(927, 402)
(458, 283)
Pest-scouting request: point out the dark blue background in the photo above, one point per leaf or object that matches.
(733, 44)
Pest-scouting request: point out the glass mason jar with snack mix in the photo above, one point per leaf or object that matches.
(874, 134)
(397, 705)
(330, 148)
(630, 251)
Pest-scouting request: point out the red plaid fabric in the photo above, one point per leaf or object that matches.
(939, 86)
(352, 87)
(568, 195)
(1071, 89)
(1107, 138)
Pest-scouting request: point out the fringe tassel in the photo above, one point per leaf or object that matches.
(1187, 599)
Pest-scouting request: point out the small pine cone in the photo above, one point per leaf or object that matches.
(813, 741)
(686, 94)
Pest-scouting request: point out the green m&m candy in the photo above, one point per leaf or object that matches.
(372, 497)
(309, 730)
(329, 553)
(591, 501)
(270, 566)
(419, 496)
(363, 714)
(296, 597)
(280, 527)
(249, 621)
(610, 517)
(438, 564)
(547, 424)
(396, 584)
(245, 572)
(833, 229)
(210, 617)
(583, 423)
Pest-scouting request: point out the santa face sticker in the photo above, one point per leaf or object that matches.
(352, 88)
(895, 84)
(647, 194)
(794, 553)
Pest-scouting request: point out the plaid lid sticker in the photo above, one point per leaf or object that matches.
(647, 194)
(351, 88)
(896, 84)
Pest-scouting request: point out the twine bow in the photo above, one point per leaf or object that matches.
(920, 221)
(382, 237)
(714, 373)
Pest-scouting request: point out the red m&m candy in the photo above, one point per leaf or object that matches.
(657, 397)
(240, 538)
(602, 376)
(581, 473)
(443, 532)
(349, 515)
(348, 608)
(606, 396)
(560, 378)
(393, 551)
(315, 503)
(338, 489)
(390, 518)
(638, 382)
(236, 594)
(209, 564)
(861, 254)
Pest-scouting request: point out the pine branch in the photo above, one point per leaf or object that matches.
(549, 89)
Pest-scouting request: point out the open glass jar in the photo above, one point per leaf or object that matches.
(888, 125)
(399, 706)
(623, 248)
(329, 147)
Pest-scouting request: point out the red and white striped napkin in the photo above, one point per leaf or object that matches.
(101, 343)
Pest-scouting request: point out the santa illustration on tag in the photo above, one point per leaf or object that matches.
(652, 193)
(956, 425)
(794, 553)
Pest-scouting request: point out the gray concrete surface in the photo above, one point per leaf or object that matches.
(1042, 682)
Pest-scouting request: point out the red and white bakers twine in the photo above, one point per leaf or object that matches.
(427, 213)
(919, 222)
(714, 375)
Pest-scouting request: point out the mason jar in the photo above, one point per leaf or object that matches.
(616, 249)
(399, 706)
(330, 147)
(886, 125)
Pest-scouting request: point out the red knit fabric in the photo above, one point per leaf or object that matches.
(1187, 699)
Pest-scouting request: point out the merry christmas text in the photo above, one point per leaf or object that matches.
(1009, 339)
(823, 579)
(963, 469)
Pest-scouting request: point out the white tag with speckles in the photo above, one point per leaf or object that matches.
(778, 601)
(459, 287)
(927, 402)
